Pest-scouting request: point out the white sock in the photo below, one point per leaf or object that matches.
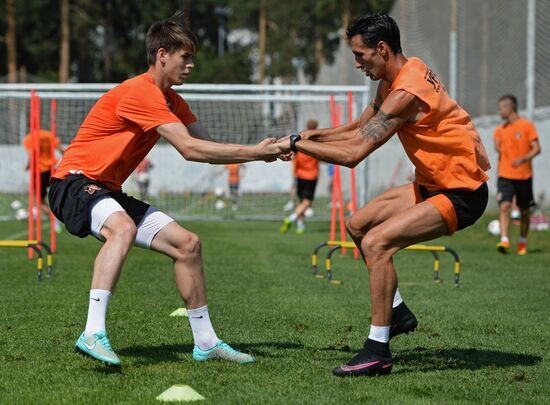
(504, 239)
(97, 309)
(397, 298)
(301, 224)
(522, 239)
(203, 331)
(379, 333)
(292, 217)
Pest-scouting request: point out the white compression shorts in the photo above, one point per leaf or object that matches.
(153, 220)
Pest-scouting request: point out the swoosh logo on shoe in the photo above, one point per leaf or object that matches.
(359, 366)
(89, 347)
(95, 299)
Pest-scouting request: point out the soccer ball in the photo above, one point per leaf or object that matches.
(16, 204)
(309, 212)
(21, 214)
(219, 205)
(494, 227)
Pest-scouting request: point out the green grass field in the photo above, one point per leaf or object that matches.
(486, 342)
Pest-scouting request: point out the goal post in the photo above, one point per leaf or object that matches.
(243, 114)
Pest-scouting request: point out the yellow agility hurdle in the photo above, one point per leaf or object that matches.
(37, 247)
(335, 245)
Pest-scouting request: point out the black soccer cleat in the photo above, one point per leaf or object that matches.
(374, 359)
(402, 321)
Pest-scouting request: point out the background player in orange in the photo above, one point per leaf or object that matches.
(449, 192)
(143, 178)
(306, 172)
(234, 180)
(46, 140)
(516, 142)
(86, 194)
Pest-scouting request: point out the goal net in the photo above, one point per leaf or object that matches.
(243, 114)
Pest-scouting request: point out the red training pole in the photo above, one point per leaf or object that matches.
(37, 182)
(338, 180)
(333, 207)
(32, 163)
(53, 144)
(353, 191)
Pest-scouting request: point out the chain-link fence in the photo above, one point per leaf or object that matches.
(482, 48)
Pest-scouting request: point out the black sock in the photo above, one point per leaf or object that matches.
(378, 348)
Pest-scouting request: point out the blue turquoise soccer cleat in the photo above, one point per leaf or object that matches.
(98, 347)
(221, 351)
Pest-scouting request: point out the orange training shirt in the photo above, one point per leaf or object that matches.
(444, 146)
(305, 166)
(233, 170)
(515, 142)
(46, 141)
(119, 131)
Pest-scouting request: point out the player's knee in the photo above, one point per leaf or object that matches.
(505, 206)
(125, 231)
(374, 245)
(189, 247)
(354, 231)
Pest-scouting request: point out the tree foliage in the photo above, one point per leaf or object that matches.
(108, 37)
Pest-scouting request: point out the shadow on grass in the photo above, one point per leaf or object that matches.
(422, 359)
(168, 353)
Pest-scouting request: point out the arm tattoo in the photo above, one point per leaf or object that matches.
(379, 126)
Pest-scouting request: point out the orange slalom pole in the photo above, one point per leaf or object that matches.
(333, 207)
(53, 127)
(340, 202)
(37, 188)
(353, 191)
(338, 180)
(32, 163)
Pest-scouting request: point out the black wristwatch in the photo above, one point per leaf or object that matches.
(293, 139)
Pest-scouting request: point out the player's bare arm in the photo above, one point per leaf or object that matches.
(199, 150)
(196, 130)
(534, 151)
(497, 146)
(398, 108)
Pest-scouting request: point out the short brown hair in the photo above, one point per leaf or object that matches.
(312, 124)
(171, 35)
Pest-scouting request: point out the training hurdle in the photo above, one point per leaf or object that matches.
(34, 243)
(36, 247)
(335, 245)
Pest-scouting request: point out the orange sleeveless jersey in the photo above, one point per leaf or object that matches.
(46, 141)
(233, 170)
(444, 146)
(119, 131)
(515, 142)
(305, 166)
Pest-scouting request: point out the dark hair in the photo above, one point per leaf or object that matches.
(312, 124)
(374, 28)
(512, 98)
(171, 35)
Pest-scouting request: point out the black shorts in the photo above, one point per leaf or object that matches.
(44, 182)
(70, 200)
(522, 189)
(465, 209)
(305, 188)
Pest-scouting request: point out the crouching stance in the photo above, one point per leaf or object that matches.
(449, 192)
(115, 137)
